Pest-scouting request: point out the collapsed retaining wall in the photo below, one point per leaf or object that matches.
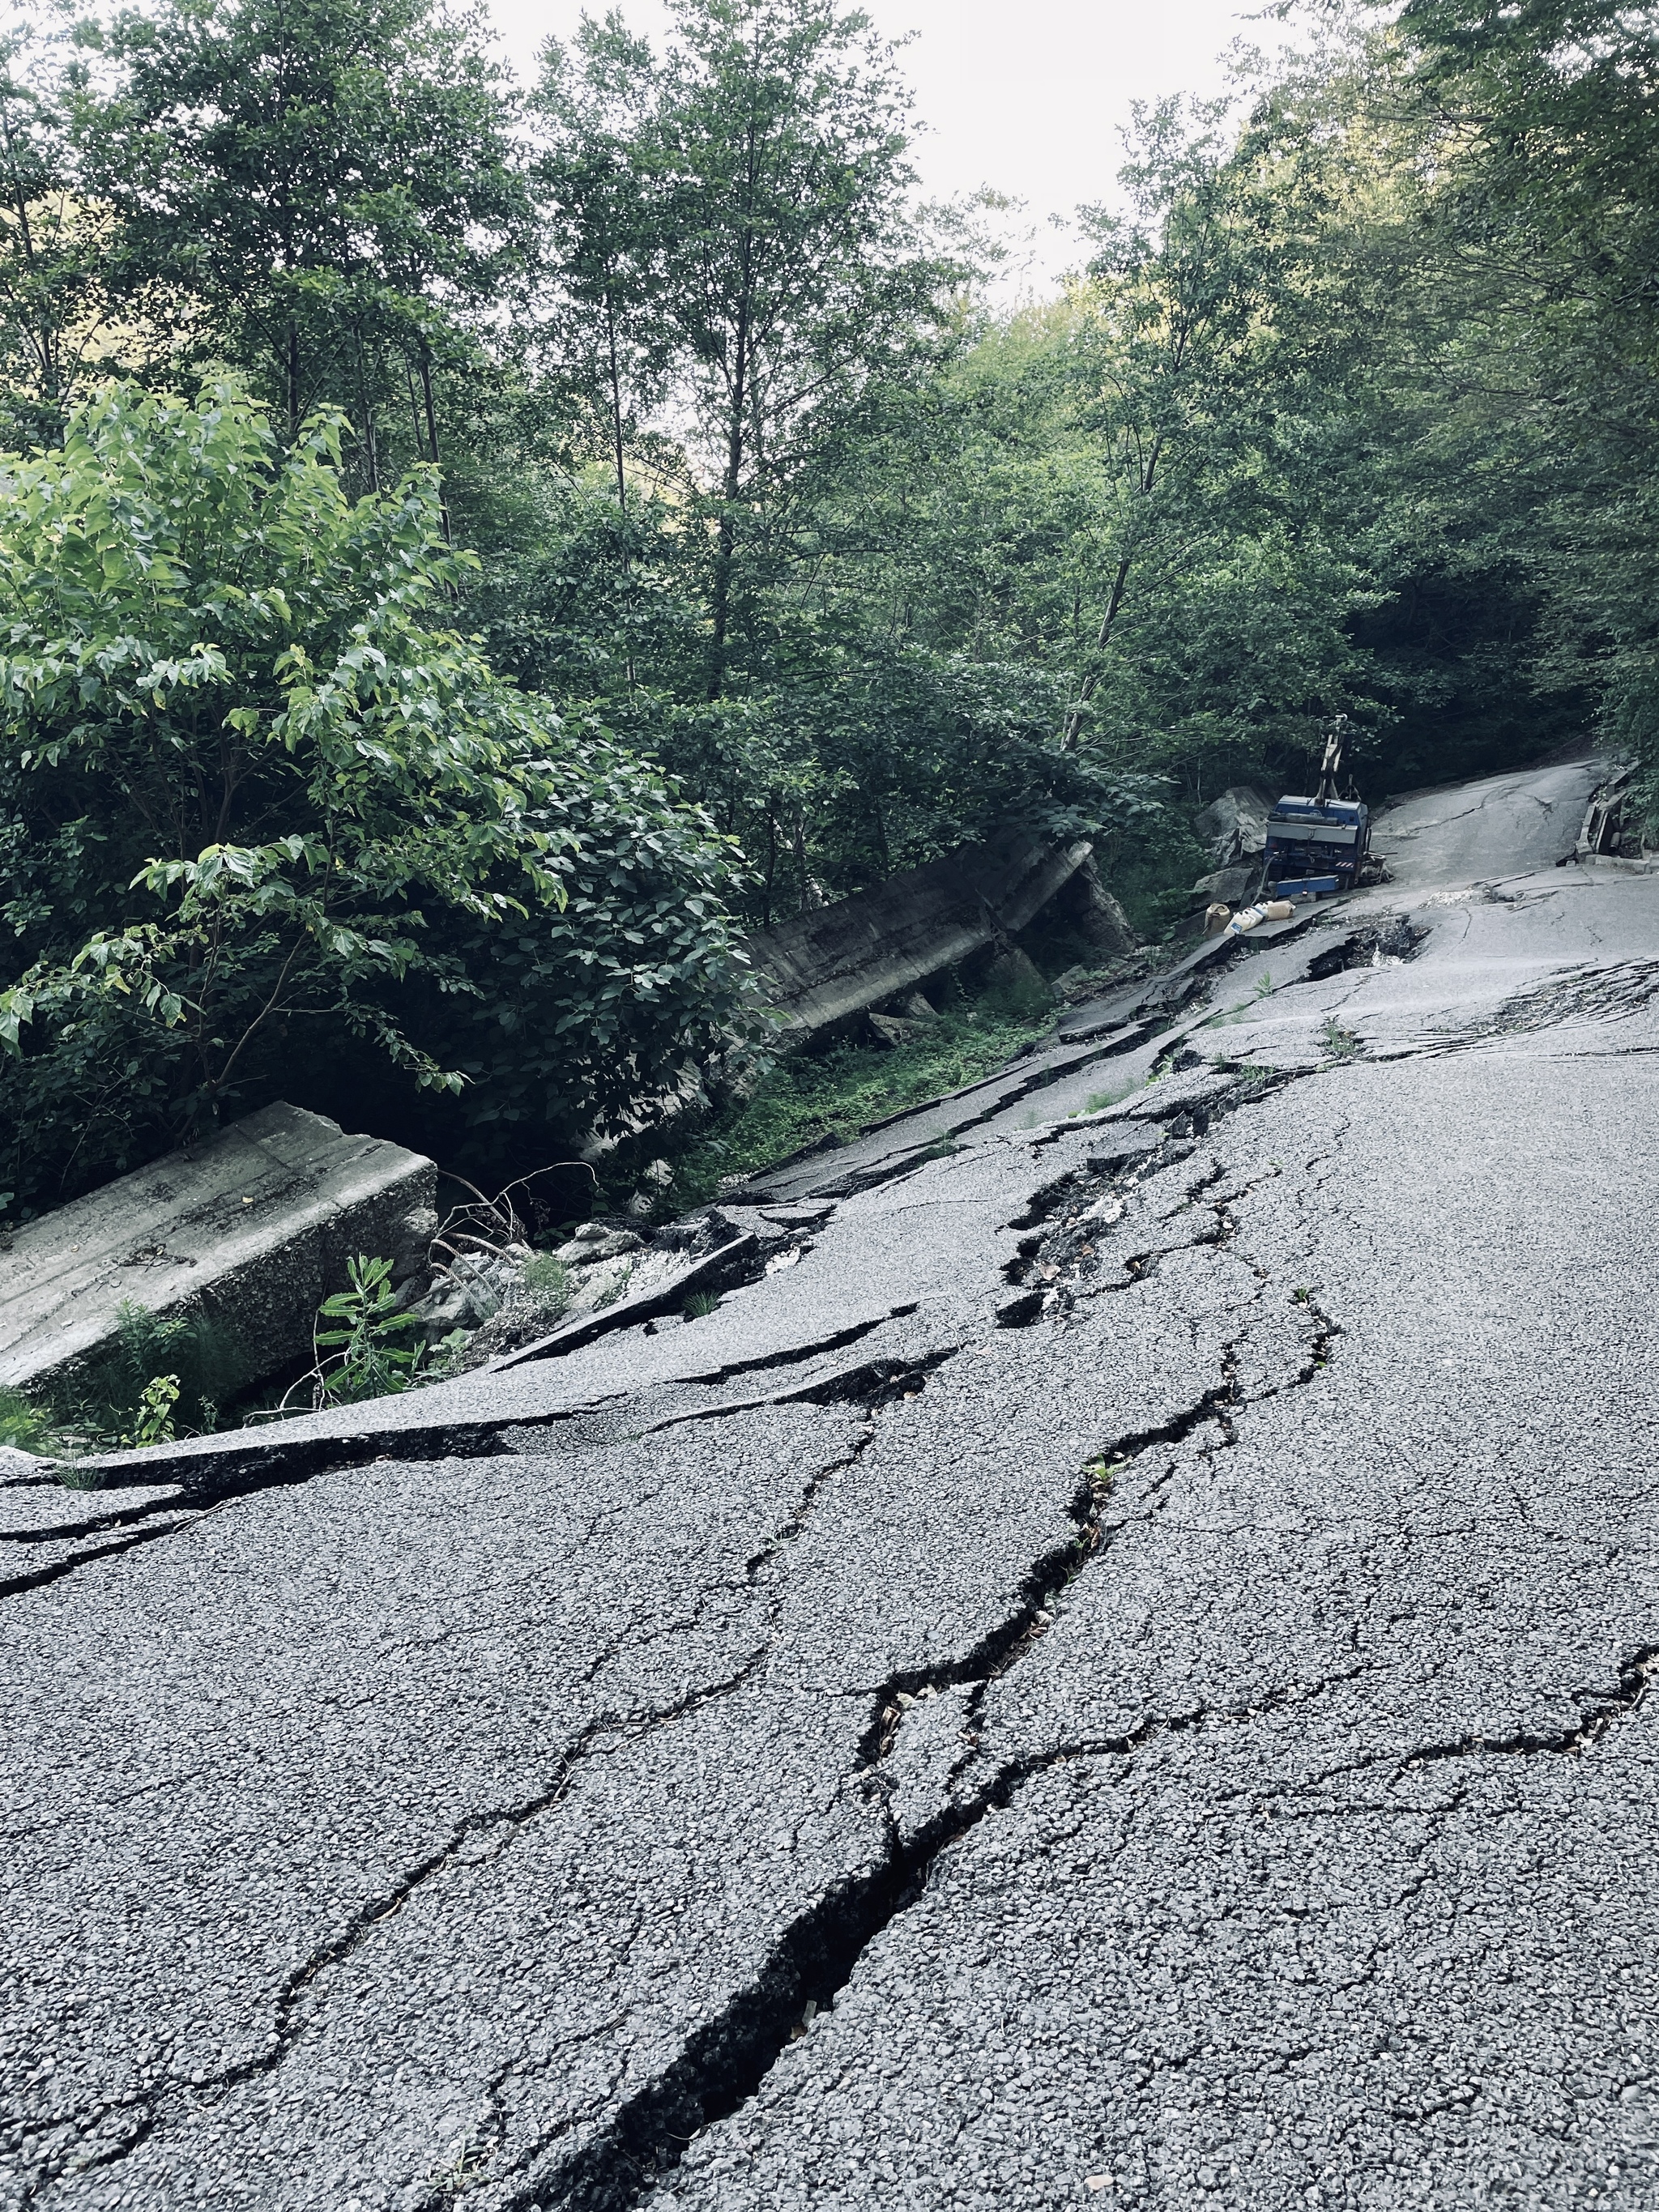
(836, 961)
(253, 1228)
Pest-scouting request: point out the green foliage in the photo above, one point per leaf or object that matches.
(1543, 121)
(329, 183)
(1354, 408)
(143, 1344)
(157, 1377)
(24, 1425)
(774, 135)
(835, 1094)
(366, 1355)
(547, 1280)
(195, 1355)
(153, 1415)
(249, 779)
(58, 248)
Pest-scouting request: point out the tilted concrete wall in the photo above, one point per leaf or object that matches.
(254, 1227)
(839, 960)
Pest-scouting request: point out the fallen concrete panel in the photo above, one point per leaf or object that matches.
(841, 959)
(254, 1228)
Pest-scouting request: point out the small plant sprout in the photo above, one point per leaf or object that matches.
(1100, 1472)
(547, 1280)
(363, 1357)
(698, 1304)
(152, 1421)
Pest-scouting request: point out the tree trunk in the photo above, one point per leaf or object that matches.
(368, 406)
(725, 547)
(432, 436)
(1090, 683)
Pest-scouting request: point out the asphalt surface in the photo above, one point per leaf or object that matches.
(1115, 1674)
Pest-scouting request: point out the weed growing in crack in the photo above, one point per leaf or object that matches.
(547, 1280)
(466, 2166)
(700, 1304)
(1340, 1043)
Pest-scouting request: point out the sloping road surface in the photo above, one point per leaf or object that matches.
(1114, 1673)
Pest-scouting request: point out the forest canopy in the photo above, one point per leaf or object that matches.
(472, 550)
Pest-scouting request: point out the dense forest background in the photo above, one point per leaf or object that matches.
(470, 552)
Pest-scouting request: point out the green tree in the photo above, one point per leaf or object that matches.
(1540, 125)
(332, 182)
(251, 782)
(759, 204)
(60, 324)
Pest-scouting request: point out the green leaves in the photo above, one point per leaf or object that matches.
(364, 1356)
(304, 798)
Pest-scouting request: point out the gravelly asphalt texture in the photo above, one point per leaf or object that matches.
(1118, 1677)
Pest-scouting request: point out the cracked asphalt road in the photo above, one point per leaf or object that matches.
(1118, 1678)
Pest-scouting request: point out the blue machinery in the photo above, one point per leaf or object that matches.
(1320, 845)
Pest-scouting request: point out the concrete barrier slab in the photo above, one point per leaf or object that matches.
(253, 1228)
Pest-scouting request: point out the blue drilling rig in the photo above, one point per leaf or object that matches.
(1320, 845)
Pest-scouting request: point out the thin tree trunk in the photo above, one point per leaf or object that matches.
(616, 408)
(771, 857)
(293, 382)
(617, 445)
(726, 548)
(45, 346)
(432, 436)
(368, 418)
(1090, 683)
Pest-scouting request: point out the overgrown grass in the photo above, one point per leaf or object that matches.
(837, 1094)
(548, 1281)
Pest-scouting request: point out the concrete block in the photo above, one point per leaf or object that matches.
(840, 960)
(1235, 826)
(1227, 885)
(253, 1228)
(1088, 909)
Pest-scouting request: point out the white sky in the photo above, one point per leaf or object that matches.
(1027, 96)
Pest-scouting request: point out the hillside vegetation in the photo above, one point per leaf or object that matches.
(471, 551)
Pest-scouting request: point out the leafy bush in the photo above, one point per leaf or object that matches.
(195, 1353)
(251, 780)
